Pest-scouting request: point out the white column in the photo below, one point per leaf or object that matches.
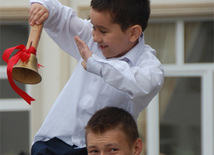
(180, 42)
(152, 122)
(207, 114)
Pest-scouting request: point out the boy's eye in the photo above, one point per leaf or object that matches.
(113, 150)
(102, 31)
(93, 152)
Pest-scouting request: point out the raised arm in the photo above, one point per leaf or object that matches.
(141, 82)
(61, 23)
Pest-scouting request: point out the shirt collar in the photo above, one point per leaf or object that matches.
(132, 56)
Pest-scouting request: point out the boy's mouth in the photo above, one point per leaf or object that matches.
(103, 46)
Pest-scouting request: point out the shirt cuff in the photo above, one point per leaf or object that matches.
(94, 65)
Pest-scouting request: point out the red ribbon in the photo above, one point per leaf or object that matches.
(24, 55)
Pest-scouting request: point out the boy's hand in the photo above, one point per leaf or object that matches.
(84, 50)
(38, 14)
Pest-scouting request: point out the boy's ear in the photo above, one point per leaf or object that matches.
(135, 33)
(138, 147)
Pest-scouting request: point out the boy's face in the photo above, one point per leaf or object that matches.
(113, 141)
(111, 39)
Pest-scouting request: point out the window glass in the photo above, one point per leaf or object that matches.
(161, 37)
(180, 116)
(14, 133)
(12, 35)
(6, 90)
(199, 39)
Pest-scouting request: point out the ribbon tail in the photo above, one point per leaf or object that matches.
(19, 91)
(38, 66)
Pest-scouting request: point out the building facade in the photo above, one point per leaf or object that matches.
(178, 121)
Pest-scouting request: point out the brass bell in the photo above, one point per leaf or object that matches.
(27, 72)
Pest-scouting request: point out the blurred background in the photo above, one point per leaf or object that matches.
(178, 121)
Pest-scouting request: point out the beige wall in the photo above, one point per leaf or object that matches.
(58, 65)
(179, 1)
(75, 3)
(13, 3)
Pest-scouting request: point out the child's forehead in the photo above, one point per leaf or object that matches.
(114, 129)
(100, 14)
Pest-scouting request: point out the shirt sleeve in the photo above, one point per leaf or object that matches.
(63, 25)
(141, 82)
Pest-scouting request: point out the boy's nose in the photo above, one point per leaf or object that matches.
(102, 153)
(96, 37)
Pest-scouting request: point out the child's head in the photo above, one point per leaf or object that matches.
(112, 130)
(126, 13)
(118, 24)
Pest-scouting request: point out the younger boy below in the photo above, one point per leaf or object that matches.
(112, 131)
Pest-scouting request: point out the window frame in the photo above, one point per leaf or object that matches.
(181, 69)
(15, 16)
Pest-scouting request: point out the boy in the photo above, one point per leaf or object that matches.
(115, 67)
(112, 131)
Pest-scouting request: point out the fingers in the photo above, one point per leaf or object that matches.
(80, 47)
(38, 14)
(80, 43)
(84, 50)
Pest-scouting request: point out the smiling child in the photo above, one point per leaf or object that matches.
(115, 67)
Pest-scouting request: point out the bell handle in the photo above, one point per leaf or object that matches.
(34, 36)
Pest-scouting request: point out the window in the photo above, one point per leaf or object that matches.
(180, 119)
(14, 111)
(161, 36)
(199, 39)
(180, 116)
(14, 132)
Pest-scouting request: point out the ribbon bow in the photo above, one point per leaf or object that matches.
(23, 54)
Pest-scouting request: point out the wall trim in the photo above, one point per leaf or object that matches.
(157, 11)
(15, 14)
(170, 10)
(182, 10)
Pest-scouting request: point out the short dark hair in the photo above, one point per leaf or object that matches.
(126, 13)
(110, 118)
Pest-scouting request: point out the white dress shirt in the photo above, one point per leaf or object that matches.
(129, 82)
